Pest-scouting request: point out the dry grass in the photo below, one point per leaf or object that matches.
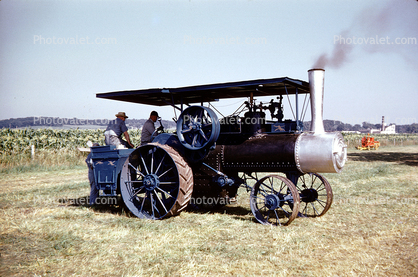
(371, 229)
(44, 160)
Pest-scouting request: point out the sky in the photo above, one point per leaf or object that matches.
(56, 55)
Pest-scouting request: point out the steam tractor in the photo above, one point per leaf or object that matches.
(208, 158)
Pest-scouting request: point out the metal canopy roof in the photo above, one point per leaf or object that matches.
(209, 93)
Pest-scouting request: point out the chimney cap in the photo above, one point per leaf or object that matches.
(312, 69)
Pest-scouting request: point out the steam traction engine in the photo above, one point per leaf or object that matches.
(208, 158)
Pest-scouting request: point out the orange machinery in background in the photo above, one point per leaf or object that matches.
(368, 143)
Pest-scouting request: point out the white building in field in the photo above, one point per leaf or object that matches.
(387, 130)
(391, 129)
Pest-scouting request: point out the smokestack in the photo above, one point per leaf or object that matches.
(316, 87)
(383, 123)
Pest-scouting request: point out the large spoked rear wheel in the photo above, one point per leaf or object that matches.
(274, 200)
(156, 182)
(315, 195)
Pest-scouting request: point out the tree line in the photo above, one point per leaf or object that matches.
(335, 125)
(329, 125)
(32, 121)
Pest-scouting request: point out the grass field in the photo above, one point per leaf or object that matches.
(370, 230)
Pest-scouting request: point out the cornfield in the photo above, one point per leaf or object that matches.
(53, 147)
(20, 140)
(14, 141)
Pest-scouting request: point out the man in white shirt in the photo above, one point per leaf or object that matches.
(115, 130)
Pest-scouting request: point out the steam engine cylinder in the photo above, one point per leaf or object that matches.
(307, 152)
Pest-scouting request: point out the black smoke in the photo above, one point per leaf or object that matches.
(375, 30)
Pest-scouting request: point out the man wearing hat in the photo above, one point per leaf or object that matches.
(148, 128)
(114, 131)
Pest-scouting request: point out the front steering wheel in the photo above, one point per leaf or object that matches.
(198, 127)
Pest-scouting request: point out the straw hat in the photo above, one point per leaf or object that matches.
(121, 114)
